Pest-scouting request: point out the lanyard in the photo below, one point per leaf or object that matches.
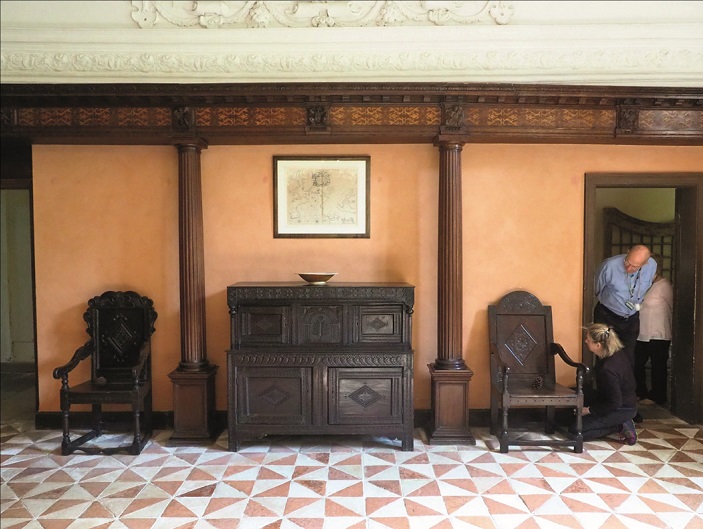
(632, 286)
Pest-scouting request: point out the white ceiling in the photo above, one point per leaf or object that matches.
(636, 43)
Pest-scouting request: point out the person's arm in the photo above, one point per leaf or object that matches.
(600, 279)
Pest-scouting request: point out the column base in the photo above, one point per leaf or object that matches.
(194, 417)
(450, 407)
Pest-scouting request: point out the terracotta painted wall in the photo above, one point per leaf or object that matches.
(106, 217)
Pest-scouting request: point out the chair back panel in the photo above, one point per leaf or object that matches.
(521, 331)
(120, 323)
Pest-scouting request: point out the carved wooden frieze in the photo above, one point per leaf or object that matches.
(344, 113)
(311, 359)
(663, 120)
(93, 117)
(237, 295)
(385, 116)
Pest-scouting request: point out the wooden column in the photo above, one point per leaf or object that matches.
(194, 378)
(450, 375)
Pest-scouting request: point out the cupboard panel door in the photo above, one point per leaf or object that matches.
(321, 324)
(365, 395)
(379, 324)
(273, 395)
(264, 325)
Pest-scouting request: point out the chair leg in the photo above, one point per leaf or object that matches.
(578, 447)
(136, 447)
(97, 419)
(66, 439)
(549, 420)
(504, 440)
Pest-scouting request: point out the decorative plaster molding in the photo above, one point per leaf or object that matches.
(324, 13)
(630, 55)
(592, 66)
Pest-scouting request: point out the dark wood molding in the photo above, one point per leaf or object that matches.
(16, 164)
(310, 113)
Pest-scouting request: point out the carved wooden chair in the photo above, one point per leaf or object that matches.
(120, 325)
(522, 371)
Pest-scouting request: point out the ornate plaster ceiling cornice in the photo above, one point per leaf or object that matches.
(657, 54)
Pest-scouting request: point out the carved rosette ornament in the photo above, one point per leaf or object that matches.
(183, 119)
(307, 14)
(628, 119)
(317, 119)
(454, 119)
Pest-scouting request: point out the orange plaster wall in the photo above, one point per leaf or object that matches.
(106, 217)
(524, 227)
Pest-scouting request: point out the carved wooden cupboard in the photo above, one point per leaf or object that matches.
(329, 359)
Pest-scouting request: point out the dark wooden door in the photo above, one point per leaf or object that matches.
(686, 373)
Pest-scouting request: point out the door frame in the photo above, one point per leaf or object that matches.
(686, 404)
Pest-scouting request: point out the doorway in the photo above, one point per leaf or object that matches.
(18, 366)
(687, 350)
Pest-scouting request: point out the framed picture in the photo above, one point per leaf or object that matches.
(321, 196)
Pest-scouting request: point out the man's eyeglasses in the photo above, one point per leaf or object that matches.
(628, 264)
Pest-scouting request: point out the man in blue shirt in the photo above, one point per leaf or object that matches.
(621, 283)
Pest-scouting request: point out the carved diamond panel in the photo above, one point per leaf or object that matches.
(120, 338)
(365, 396)
(521, 344)
(274, 395)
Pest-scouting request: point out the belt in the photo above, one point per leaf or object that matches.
(616, 315)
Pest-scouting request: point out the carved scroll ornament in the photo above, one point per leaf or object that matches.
(305, 14)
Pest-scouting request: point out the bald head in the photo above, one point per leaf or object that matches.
(636, 258)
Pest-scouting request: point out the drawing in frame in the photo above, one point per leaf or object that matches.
(321, 196)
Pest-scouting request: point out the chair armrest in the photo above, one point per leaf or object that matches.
(502, 370)
(144, 354)
(81, 354)
(581, 369)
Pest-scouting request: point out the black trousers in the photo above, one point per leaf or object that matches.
(627, 329)
(597, 426)
(657, 351)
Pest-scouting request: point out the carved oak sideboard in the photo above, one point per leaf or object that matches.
(329, 359)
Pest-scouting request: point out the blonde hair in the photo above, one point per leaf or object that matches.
(606, 336)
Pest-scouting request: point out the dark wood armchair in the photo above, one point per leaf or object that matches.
(120, 325)
(522, 371)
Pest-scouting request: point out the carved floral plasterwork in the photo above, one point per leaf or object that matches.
(478, 65)
(321, 13)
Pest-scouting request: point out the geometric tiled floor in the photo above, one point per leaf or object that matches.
(355, 483)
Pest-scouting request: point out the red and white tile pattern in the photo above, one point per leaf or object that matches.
(355, 483)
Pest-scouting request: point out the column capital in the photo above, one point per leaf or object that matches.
(190, 143)
(449, 141)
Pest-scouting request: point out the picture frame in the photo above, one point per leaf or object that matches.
(321, 196)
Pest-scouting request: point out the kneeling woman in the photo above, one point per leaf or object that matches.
(614, 403)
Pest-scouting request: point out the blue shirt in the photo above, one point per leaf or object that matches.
(615, 288)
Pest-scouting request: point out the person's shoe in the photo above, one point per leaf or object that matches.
(628, 434)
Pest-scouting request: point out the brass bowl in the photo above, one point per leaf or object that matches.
(317, 278)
